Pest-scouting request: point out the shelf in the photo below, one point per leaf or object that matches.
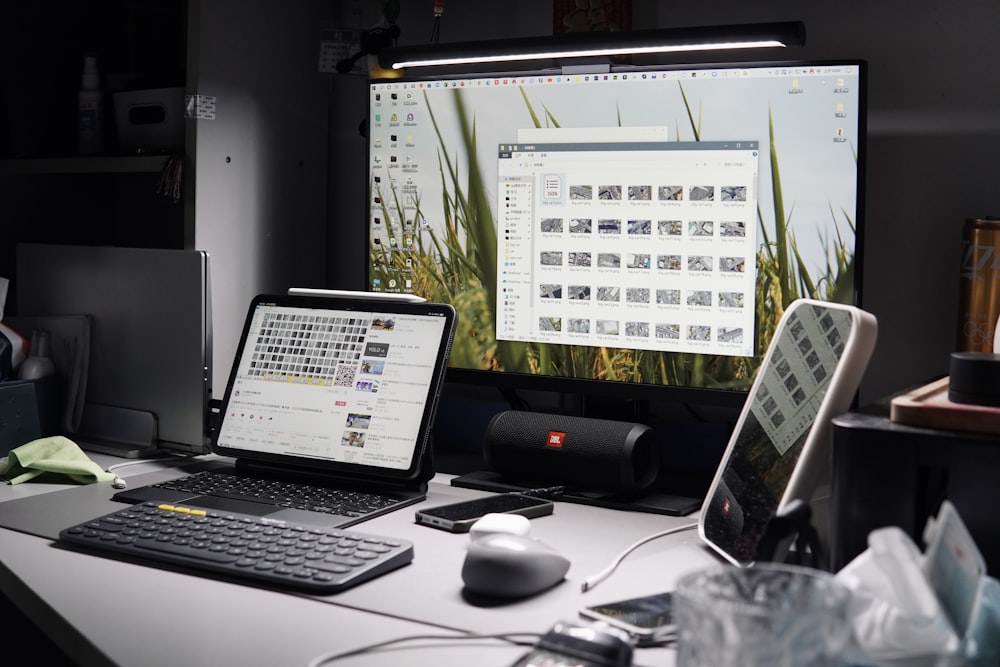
(84, 165)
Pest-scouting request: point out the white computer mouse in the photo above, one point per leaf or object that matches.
(497, 522)
(511, 566)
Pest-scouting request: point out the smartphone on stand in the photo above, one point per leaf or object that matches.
(459, 517)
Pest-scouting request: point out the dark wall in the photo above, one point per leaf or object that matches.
(138, 45)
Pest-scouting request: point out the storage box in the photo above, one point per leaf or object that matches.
(150, 121)
(891, 474)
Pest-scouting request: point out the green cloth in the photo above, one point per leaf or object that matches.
(56, 454)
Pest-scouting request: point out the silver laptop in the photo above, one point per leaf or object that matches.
(150, 356)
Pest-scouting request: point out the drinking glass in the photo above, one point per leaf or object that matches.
(767, 614)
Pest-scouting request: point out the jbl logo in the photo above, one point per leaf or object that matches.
(556, 439)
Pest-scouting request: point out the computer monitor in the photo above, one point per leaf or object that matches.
(632, 231)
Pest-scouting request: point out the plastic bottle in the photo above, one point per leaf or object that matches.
(91, 109)
(39, 363)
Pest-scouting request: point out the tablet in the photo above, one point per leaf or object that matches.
(779, 450)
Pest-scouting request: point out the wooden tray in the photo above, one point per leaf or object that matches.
(929, 406)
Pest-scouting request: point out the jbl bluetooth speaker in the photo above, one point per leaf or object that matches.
(587, 453)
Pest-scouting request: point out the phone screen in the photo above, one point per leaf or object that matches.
(649, 616)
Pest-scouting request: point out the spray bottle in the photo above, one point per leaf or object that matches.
(91, 109)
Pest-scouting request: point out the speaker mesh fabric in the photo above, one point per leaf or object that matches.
(587, 453)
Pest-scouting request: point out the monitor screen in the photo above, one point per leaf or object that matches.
(618, 231)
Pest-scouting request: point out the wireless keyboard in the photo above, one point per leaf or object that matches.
(275, 553)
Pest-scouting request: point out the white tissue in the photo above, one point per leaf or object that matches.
(896, 617)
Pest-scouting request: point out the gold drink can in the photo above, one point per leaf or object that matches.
(979, 285)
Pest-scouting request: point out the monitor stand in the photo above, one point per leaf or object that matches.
(615, 408)
(124, 432)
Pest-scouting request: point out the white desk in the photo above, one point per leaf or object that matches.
(107, 612)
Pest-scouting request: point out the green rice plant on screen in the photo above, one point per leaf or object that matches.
(456, 263)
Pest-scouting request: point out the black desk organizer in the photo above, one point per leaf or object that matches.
(891, 474)
(649, 501)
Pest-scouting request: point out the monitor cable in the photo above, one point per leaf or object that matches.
(591, 582)
(543, 492)
(438, 13)
(514, 400)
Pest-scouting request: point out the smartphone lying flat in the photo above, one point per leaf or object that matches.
(459, 517)
(649, 619)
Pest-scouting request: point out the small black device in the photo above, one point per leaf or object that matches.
(459, 517)
(573, 644)
(649, 619)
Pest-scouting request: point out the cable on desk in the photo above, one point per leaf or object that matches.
(590, 582)
(544, 492)
(118, 482)
(515, 638)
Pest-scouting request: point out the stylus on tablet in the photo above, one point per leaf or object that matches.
(355, 294)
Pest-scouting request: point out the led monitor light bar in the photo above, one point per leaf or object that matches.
(596, 44)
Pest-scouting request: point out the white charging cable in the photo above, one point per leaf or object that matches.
(118, 482)
(590, 582)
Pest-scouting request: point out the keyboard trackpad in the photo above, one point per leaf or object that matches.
(231, 505)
